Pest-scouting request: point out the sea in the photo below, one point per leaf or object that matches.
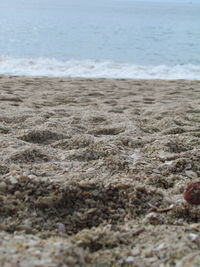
(149, 39)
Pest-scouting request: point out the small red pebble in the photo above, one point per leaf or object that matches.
(192, 193)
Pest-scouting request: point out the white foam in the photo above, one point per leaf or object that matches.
(95, 69)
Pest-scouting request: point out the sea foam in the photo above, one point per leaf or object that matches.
(95, 69)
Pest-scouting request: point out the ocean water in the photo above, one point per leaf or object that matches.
(101, 38)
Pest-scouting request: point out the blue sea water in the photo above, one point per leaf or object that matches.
(101, 38)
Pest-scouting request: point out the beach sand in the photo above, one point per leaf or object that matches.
(92, 172)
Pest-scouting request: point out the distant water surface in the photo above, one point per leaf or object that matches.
(81, 36)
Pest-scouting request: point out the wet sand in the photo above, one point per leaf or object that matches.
(92, 172)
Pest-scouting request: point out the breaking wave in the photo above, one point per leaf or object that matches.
(95, 69)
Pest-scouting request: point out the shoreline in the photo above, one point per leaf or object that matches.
(92, 171)
(48, 67)
(92, 78)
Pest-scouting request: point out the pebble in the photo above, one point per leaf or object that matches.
(161, 246)
(192, 193)
(61, 227)
(70, 260)
(3, 187)
(191, 174)
(135, 252)
(130, 259)
(13, 180)
(193, 237)
(27, 222)
(152, 217)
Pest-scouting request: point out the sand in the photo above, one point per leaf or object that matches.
(92, 172)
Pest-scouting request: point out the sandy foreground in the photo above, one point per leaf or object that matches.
(92, 172)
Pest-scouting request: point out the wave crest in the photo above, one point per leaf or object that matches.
(95, 69)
